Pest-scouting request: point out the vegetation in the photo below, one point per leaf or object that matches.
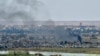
(18, 52)
(66, 50)
(55, 55)
(38, 54)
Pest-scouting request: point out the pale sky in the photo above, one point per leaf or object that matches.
(26, 11)
(73, 9)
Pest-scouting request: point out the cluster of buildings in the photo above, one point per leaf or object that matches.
(64, 36)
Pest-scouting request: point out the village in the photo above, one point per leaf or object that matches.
(50, 35)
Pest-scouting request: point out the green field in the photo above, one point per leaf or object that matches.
(24, 51)
(66, 50)
(20, 53)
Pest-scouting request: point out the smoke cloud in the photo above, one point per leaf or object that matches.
(20, 11)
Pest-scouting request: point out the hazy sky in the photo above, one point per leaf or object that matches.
(73, 9)
(26, 11)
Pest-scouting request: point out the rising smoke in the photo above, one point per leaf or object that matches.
(20, 11)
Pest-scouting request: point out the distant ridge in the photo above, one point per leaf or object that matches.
(91, 23)
(74, 23)
(96, 23)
